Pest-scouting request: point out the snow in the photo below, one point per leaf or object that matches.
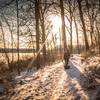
(53, 82)
(49, 83)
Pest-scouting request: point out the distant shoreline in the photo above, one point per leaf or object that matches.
(21, 50)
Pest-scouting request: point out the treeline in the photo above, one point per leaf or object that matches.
(27, 23)
(23, 50)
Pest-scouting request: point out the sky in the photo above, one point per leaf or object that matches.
(56, 21)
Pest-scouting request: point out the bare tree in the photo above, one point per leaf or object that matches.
(83, 24)
(77, 34)
(66, 51)
(42, 13)
(12, 40)
(17, 10)
(4, 44)
(37, 17)
(63, 26)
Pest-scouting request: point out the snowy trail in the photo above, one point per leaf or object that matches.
(59, 87)
(42, 87)
(53, 83)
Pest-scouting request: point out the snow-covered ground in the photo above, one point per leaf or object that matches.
(53, 83)
(50, 83)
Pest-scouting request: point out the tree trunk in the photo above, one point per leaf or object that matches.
(4, 44)
(66, 51)
(83, 24)
(18, 65)
(91, 21)
(37, 16)
(71, 33)
(43, 35)
(63, 26)
(77, 35)
(12, 40)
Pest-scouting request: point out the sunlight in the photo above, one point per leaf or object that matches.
(56, 28)
(56, 22)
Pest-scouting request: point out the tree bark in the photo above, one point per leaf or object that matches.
(63, 26)
(71, 33)
(37, 17)
(77, 34)
(18, 65)
(66, 51)
(43, 32)
(83, 24)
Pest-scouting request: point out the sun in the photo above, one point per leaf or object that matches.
(56, 22)
(56, 28)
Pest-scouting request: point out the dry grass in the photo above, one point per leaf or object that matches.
(23, 63)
